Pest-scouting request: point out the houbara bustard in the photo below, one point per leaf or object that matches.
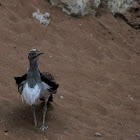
(35, 85)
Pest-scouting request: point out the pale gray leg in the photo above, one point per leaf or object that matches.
(33, 109)
(43, 127)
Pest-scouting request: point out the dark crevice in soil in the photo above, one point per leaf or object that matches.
(131, 17)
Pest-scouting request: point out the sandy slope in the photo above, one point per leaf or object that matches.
(95, 61)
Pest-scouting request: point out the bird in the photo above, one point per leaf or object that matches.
(35, 85)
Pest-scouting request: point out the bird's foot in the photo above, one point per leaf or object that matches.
(43, 127)
(35, 124)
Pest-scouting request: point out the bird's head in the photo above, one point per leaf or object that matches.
(34, 54)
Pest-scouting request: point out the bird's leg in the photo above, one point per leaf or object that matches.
(33, 109)
(43, 127)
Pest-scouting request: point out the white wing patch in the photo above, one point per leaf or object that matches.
(30, 95)
(44, 88)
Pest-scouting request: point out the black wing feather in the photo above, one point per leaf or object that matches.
(19, 80)
(49, 79)
(45, 77)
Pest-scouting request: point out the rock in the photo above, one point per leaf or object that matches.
(119, 123)
(137, 134)
(79, 8)
(6, 132)
(119, 6)
(97, 134)
(131, 16)
(43, 18)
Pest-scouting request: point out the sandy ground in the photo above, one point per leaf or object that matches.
(96, 61)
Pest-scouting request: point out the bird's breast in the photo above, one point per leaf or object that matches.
(30, 95)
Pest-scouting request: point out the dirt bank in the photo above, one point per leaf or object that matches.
(96, 61)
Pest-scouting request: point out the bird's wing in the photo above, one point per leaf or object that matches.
(47, 78)
(20, 82)
(48, 75)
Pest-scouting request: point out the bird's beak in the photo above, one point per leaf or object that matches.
(39, 53)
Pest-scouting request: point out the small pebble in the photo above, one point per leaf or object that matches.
(61, 97)
(137, 134)
(97, 134)
(119, 123)
(6, 132)
(130, 97)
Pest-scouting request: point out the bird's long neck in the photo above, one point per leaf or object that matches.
(33, 65)
(33, 75)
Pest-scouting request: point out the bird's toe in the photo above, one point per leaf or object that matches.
(43, 127)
